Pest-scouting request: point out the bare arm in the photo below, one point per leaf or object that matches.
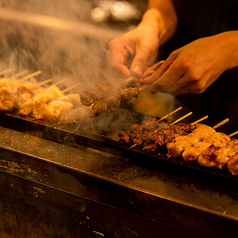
(162, 13)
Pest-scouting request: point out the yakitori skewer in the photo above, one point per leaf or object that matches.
(44, 82)
(59, 82)
(233, 134)
(71, 87)
(5, 71)
(181, 118)
(30, 75)
(221, 123)
(171, 113)
(19, 74)
(199, 120)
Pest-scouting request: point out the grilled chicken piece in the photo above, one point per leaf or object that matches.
(54, 109)
(217, 139)
(216, 156)
(192, 152)
(180, 143)
(232, 164)
(7, 100)
(48, 95)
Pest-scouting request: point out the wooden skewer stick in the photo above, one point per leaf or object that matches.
(69, 88)
(19, 74)
(169, 114)
(133, 146)
(221, 123)
(180, 119)
(129, 79)
(203, 118)
(31, 75)
(234, 133)
(5, 71)
(59, 82)
(44, 82)
(143, 87)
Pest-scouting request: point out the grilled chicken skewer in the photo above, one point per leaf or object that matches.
(54, 109)
(13, 92)
(113, 102)
(31, 106)
(103, 90)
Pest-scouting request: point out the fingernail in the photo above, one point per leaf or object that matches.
(138, 70)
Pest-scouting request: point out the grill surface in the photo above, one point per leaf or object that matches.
(172, 197)
(73, 136)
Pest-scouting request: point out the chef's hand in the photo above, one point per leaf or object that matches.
(134, 51)
(194, 67)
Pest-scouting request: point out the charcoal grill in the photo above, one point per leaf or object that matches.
(104, 188)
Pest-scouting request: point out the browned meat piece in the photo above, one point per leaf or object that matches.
(104, 105)
(123, 137)
(182, 128)
(128, 93)
(232, 164)
(112, 102)
(87, 98)
(98, 108)
(103, 90)
(150, 148)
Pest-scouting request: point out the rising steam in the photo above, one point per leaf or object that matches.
(68, 50)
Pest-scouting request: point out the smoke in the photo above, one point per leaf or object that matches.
(58, 53)
(65, 51)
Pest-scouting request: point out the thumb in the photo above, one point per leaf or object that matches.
(139, 63)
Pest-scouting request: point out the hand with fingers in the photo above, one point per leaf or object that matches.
(194, 67)
(134, 51)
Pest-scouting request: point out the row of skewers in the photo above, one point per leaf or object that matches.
(52, 104)
(195, 142)
(33, 99)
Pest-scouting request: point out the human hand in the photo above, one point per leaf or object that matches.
(134, 51)
(194, 67)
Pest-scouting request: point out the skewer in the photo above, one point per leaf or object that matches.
(180, 119)
(170, 114)
(59, 82)
(31, 75)
(129, 79)
(69, 88)
(234, 133)
(19, 74)
(44, 82)
(133, 146)
(221, 123)
(143, 87)
(203, 118)
(5, 71)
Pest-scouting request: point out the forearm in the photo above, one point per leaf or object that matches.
(161, 15)
(230, 45)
